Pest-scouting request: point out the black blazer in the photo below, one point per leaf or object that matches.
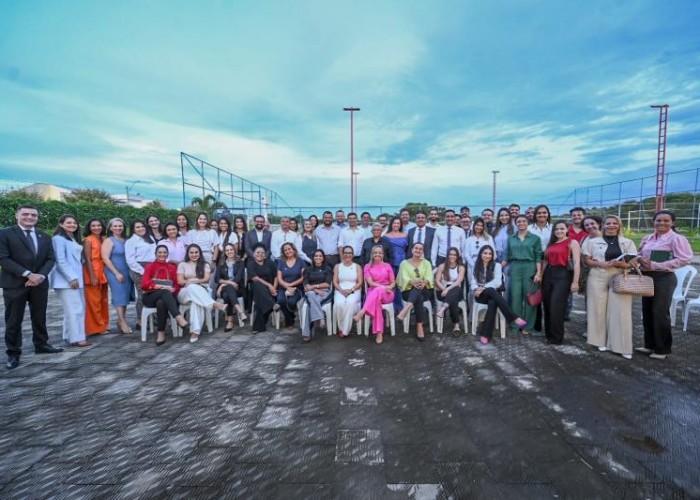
(16, 257)
(251, 239)
(222, 273)
(427, 240)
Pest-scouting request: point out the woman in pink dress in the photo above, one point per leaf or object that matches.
(380, 281)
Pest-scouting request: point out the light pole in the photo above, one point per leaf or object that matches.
(352, 156)
(128, 188)
(355, 174)
(494, 172)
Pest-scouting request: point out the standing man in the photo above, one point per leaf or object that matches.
(514, 210)
(422, 233)
(328, 236)
(366, 220)
(466, 223)
(465, 212)
(340, 220)
(285, 235)
(352, 236)
(258, 235)
(405, 217)
(487, 215)
(446, 237)
(383, 221)
(433, 218)
(26, 258)
(530, 214)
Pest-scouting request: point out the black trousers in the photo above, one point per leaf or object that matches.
(288, 305)
(655, 312)
(495, 301)
(556, 285)
(165, 302)
(15, 303)
(332, 260)
(416, 297)
(452, 300)
(230, 296)
(264, 302)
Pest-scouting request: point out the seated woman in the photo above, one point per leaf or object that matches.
(486, 281)
(317, 286)
(347, 281)
(228, 279)
(160, 288)
(262, 278)
(448, 282)
(416, 284)
(193, 277)
(289, 277)
(380, 280)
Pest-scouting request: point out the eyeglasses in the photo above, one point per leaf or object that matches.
(415, 270)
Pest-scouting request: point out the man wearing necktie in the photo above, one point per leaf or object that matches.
(446, 237)
(26, 258)
(422, 233)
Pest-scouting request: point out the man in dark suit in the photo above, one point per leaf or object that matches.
(26, 258)
(422, 233)
(257, 235)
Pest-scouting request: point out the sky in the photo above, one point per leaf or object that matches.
(553, 95)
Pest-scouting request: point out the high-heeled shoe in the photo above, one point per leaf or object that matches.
(229, 326)
(160, 342)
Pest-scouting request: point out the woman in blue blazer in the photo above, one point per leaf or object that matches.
(67, 279)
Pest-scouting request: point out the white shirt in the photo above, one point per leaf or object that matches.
(32, 235)
(279, 238)
(544, 233)
(457, 238)
(409, 225)
(137, 250)
(434, 226)
(233, 239)
(354, 238)
(472, 246)
(328, 239)
(366, 231)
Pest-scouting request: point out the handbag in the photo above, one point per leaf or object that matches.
(161, 282)
(633, 284)
(534, 294)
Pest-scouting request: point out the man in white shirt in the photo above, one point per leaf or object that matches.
(433, 219)
(284, 235)
(366, 220)
(340, 219)
(352, 236)
(446, 237)
(405, 217)
(328, 236)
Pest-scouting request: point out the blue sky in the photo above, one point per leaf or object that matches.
(554, 95)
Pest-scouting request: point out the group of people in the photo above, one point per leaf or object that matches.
(359, 267)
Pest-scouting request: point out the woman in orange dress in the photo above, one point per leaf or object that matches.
(96, 290)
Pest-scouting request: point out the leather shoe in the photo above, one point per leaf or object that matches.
(12, 362)
(47, 349)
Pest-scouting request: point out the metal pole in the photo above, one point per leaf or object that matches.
(352, 155)
(493, 200)
(355, 174)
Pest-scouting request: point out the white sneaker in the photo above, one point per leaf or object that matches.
(653, 355)
(643, 350)
(627, 356)
(602, 349)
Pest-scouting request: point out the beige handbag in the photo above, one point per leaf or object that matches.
(633, 284)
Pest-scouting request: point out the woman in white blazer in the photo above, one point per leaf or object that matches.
(67, 279)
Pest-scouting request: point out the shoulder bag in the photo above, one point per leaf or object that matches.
(633, 284)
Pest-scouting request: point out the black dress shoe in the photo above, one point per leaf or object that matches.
(47, 349)
(12, 362)
(160, 342)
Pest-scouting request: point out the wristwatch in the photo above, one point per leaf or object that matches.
(26, 274)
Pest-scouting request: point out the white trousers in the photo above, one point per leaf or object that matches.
(73, 302)
(609, 314)
(200, 305)
(344, 308)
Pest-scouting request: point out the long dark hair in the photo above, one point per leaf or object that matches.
(187, 219)
(446, 267)
(484, 274)
(323, 254)
(553, 238)
(391, 223)
(149, 229)
(484, 232)
(499, 225)
(242, 219)
(199, 265)
(86, 229)
(549, 213)
(146, 237)
(62, 232)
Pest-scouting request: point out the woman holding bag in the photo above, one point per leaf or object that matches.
(290, 270)
(660, 254)
(559, 280)
(609, 314)
(525, 259)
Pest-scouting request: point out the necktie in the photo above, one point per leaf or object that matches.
(420, 235)
(449, 238)
(31, 241)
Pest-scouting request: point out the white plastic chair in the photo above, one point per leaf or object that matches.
(441, 321)
(690, 304)
(429, 309)
(184, 309)
(387, 309)
(217, 314)
(681, 291)
(275, 316)
(478, 308)
(147, 314)
(327, 310)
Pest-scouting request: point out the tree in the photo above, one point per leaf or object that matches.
(413, 207)
(90, 195)
(206, 204)
(157, 204)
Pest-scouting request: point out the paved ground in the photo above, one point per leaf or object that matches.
(266, 416)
